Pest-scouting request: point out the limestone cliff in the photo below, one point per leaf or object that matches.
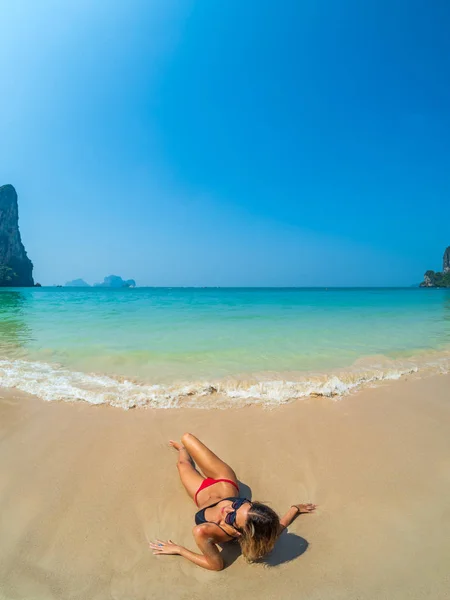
(16, 269)
(432, 279)
(446, 267)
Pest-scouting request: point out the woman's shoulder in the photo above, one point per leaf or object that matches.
(207, 531)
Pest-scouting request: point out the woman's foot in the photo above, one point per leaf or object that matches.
(183, 454)
(177, 445)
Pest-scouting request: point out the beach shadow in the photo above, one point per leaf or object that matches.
(231, 551)
(244, 490)
(288, 547)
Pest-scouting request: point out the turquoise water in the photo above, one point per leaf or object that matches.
(162, 344)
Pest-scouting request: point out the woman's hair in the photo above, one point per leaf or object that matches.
(260, 532)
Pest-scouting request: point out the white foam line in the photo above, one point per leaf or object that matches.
(53, 383)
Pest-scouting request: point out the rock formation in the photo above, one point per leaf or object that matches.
(77, 283)
(428, 279)
(432, 279)
(115, 281)
(16, 269)
(446, 266)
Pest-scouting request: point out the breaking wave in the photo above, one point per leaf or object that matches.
(54, 383)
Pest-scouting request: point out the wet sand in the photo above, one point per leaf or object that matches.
(82, 489)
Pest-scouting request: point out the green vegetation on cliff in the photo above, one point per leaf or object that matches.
(432, 279)
(440, 280)
(7, 276)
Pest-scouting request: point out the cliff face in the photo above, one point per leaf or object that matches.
(428, 279)
(16, 269)
(441, 280)
(446, 267)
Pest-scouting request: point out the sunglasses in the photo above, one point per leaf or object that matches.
(230, 518)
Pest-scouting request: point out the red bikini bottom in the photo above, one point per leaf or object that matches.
(210, 481)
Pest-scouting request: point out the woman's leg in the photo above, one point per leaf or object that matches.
(210, 464)
(190, 478)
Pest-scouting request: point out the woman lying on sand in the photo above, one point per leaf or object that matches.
(223, 515)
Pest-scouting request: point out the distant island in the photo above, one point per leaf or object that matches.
(77, 283)
(438, 279)
(16, 269)
(112, 281)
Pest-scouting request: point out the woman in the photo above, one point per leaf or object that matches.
(223, 515)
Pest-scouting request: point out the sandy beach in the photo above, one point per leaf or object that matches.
(226, 219)
(82, 489)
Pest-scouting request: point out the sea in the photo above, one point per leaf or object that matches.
(217, 347)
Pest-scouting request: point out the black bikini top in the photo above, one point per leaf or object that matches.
(200, 515)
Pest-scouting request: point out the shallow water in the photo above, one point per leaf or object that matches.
(173, 346)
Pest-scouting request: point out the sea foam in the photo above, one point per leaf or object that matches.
(55, 383)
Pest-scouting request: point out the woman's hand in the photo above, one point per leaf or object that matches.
(168, 547)
(305, 508)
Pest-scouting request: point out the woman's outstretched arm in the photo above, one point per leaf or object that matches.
(293, 512)
(209, 559)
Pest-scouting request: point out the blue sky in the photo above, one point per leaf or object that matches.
(228, 143)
